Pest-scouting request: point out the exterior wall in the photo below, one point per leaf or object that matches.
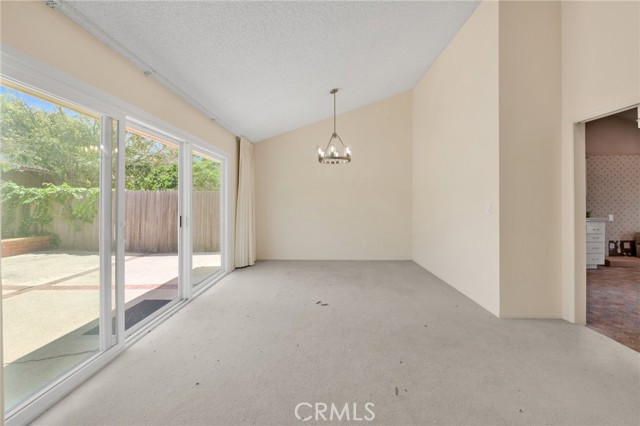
(456, 205)
(360, 210)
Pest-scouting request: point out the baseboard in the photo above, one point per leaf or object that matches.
(532, 316)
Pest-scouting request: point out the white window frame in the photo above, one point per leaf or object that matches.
(21, 69)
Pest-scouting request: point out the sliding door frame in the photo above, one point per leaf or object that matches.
(133, 124)
(105, 231)
(25, 71)
(225, 202)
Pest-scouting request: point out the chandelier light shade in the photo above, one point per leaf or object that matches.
(334, 153)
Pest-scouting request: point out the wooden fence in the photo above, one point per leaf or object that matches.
(151, 224)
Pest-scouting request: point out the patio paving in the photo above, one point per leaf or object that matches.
(51, 305)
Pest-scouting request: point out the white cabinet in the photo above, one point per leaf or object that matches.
(595, 242)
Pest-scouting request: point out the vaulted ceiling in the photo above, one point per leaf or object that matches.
(264, 68)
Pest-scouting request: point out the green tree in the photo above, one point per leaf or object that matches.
(205, 174)
(60, 144)
(61, 147)
(150, 165)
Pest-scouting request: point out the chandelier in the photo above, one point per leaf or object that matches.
(331, 154)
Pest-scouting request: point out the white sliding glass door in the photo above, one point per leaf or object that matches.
(206, 199)
(55, 162)
(152, 218)
(110, 219)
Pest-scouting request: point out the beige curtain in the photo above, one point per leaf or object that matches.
(245, 208)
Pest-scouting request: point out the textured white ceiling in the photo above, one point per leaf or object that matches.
(264, 68)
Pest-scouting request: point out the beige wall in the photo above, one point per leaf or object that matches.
(530, 150)
(600, 74)
(455, 162)
(361, 210)
(50, 37)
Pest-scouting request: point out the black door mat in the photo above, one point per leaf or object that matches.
(134, 314)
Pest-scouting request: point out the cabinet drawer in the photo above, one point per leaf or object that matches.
(595, 238)
(595, 248)
(595, 259)
(595, 228)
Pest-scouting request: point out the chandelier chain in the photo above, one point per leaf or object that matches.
(334, 112)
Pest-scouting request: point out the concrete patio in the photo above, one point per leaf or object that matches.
(51, 309)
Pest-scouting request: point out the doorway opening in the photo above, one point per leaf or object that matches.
(612, 159)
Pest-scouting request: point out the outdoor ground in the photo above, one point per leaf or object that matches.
(51, 309)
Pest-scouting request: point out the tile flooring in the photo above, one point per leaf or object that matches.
(613, 304)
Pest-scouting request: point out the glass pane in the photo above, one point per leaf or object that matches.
(50, 165)
(206, 217)
(151, 215)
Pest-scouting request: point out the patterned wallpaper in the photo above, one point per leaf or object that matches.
(612, 135)
(613, 187)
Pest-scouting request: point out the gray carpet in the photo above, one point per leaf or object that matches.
(258, 343)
